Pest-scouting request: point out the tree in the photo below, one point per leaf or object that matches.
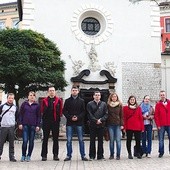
(29, 61)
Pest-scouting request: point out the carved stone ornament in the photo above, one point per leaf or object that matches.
(77, 65)
(110, 66)
(94, 66)
(79, 78)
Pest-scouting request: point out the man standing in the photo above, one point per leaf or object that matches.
(74, 111)
(98, 114)
(162, 120)
(51, 110)
(8, 113)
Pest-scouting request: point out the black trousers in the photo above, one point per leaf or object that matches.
(96, 132)
(47, 127)
(137, 135)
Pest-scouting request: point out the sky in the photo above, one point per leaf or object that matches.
(6, 1)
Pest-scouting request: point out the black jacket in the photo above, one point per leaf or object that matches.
(74, 107)
(97, 112)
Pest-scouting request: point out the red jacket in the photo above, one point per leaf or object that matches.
(162, 114)
(57, 110)
(133, 119)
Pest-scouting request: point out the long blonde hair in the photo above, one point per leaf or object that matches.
(110, 98)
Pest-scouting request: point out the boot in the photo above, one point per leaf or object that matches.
(130, 156)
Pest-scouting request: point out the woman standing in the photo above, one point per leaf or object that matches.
(29, 123)
(114, 123)
(133, 124)
(148, 115)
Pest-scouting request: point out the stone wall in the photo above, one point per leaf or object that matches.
(141, 79)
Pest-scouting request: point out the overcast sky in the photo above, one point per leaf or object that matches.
(6, 1)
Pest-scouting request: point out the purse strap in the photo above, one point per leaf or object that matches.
(6, 111)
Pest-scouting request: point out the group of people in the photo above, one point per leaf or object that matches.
(134, 119)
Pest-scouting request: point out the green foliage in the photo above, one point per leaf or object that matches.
(29, 60)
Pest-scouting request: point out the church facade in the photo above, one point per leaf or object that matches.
(107, 45)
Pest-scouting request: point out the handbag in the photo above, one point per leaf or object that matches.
(106, 134)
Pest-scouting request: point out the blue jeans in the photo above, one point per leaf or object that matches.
(28, 134)
(161, 134)
(115, 135)
(147, 139)
(69, 134)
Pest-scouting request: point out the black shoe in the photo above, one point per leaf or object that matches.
(44, 158)
(55, 158)
(13, 160)
(111, 157)
(102, 158)
(130, 156)
(139, 156)
(117, 157)
(67, 159)
(160, 155)
(91, 159)
(84, 159)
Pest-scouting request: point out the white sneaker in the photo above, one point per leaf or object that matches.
(144, 155)
(149, 155)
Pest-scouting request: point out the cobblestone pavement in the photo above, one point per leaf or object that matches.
(76, 163)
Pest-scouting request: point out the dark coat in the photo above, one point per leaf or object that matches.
(74, 107)
(57, 109)
(97, 112)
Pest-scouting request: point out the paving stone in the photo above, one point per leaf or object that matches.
(153, 163)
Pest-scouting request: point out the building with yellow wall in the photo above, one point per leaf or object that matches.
(8, 19)
(9, 15)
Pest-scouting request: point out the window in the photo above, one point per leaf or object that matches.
(167, 24)
(90, 26)
(15, 23)
(2, 25)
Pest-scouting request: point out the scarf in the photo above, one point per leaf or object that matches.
(145, 107)
(132, 106)
(114, 104)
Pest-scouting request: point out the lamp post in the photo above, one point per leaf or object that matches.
(16, 94)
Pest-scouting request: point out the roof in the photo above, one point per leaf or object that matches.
(8, 4)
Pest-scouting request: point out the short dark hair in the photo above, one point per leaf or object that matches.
(75, 87)
(50, 87)
(162, 91)
(96, 92)
(10, 94)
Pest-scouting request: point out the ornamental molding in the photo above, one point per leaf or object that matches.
(92, 10)
(28, 14)
(155, 20)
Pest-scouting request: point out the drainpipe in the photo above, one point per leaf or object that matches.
(165, 75)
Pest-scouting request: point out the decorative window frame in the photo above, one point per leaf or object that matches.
(98, 12)
(2, 24)
(14, 22)
(165, 23)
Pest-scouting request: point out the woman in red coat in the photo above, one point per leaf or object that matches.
(133, 124)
